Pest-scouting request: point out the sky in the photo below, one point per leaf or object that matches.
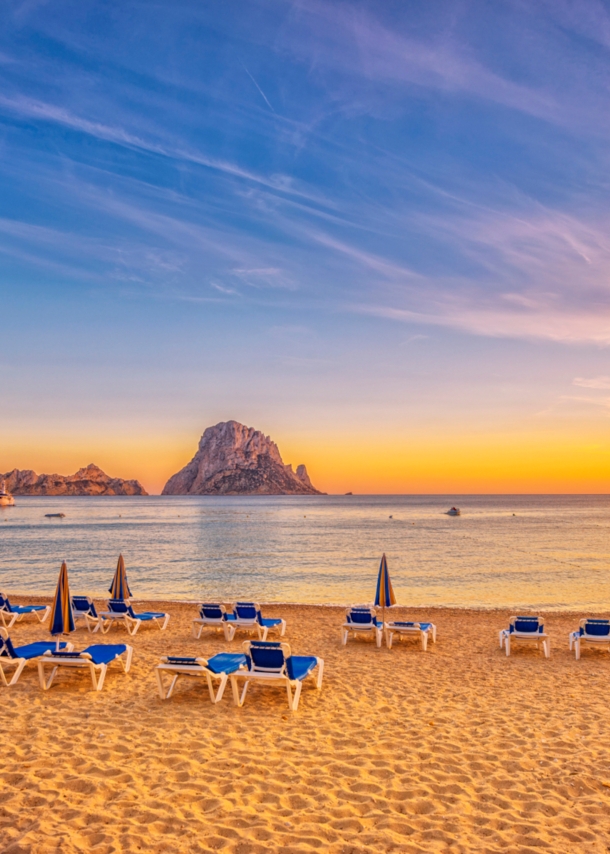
(378, 232)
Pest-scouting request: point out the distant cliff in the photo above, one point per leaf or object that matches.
(236, 460)
(87, 481)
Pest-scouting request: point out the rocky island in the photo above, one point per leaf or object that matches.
(90, 480)
(233, 459)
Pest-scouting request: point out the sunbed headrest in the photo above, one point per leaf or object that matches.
(527, 624)
(267, 655)
(7, 650)
(211, 610)
(598, 628)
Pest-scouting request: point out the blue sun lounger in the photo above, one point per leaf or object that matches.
(214, 616)
(247, 616)
(273, 663)
(409, 629)
(18, 656)
(120, 611)
(11, 614)
(595, 632)
(361, 620)
(84, 609)
(95, 658)
(219, 667)
(525, 630)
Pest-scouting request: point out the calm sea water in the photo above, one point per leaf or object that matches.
(547, 552)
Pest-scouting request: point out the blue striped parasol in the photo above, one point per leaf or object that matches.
(119, 589)
(384, 596)
(62, 621)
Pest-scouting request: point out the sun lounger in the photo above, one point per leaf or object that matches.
(525, 630)
(120, 611)
(219, 668)
(361, 620)
(214, 616)
(408, 629)
(595, 632)
(18, 656)
(248, 617)
(11, 614)
(95, 658)
(273, 663)
(84, 609)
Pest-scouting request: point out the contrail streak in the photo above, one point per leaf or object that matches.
(259, 89)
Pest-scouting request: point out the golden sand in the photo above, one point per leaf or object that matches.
(458, 749)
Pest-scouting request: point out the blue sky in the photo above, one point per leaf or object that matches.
(342, 223)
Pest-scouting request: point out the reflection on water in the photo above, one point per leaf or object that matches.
(538, 551)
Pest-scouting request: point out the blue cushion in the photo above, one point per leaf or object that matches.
(33, 650)
(26, 609)
(523, 624)
(226, 662)
(597, 628)
(363, 618)
(7, 650)
(119, 606)
(104, 653)
(270, 622)
(267, 654)
(299, 666)
(148, 615)
(211, 612)
(246, 612)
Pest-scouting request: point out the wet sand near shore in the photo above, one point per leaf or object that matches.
(458, 749)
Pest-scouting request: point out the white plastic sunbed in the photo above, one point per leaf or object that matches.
(247, 617)
(273, 663)
(408, 629)
(18, 656)
(591, 631)
(95, 659)
(361, 620)
(219, 668)
(11, 614)
(120, 611)
(214, 616)
(525, 630)
(83, 608)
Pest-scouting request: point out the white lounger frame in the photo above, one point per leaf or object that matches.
(576, 639)
(275, 676)
(201, 623)
(109, 618)
(93, 623)
(17, 663)
(9, 618)
(360, 628)
(97, 671)
(507, 638)
(411, 632)
(198, 670)
(249, 625)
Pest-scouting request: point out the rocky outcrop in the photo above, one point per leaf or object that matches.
(90, 480)
(236, 460)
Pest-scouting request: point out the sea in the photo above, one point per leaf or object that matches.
(547, 552)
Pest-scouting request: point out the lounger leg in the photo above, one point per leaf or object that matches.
(320, 673)
(344, 636)
(507, 644)
(379, 637)
(239, 701)
(433, 634)
(21, 662)
(577, 648)
(102, 675)
(264, 630)
(546, 645)
(221, 688)
(160, 685)
(388, 639)
(424, 641)
(45, 684)
(289, 692)
(501, 636)
(43, 615)
(5, 615)
(163, 626)
(297, 696)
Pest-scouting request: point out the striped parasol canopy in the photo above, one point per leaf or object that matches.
(62, 621)
(119, 589)
(384, 596)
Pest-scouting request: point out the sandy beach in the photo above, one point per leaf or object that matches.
(458, 749)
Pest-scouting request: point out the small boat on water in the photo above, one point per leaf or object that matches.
(6, 499)
(455, 511)
(55, 515)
